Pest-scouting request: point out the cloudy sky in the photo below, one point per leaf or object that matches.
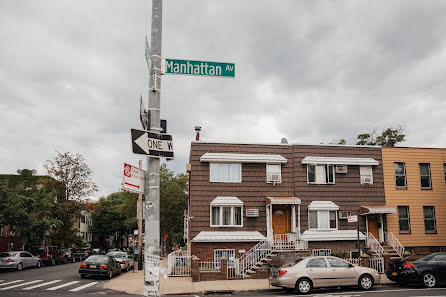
(312, 71)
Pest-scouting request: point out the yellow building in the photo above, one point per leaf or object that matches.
(415, 185)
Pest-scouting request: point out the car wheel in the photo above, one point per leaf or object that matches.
(303, 286)
(429, 280)
(110, 274)
(53, 262)
(365, 282)
(65, 260)
(19, 266)
(119, 271)
(82, 275)
(39, 264)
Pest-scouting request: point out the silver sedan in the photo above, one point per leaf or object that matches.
(18, 260)
(316, 272)
(122, 258)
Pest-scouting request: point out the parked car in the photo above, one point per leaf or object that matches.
(101, 265)
(316, 272)
(124, 259)
(428, 270)
(19, 260)
(83, 253)
(98, 252)
(69, 254)
(49, 254)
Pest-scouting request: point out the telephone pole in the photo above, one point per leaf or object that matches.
(152, 216)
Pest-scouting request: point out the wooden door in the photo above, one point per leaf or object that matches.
(372, 221)
(281, 220)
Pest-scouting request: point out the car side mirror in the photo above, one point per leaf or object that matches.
(350, 265)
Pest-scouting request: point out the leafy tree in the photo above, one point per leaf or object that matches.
(76, 178)
(173, 202)
(388, 137)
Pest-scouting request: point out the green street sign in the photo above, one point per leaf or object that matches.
(200, 68)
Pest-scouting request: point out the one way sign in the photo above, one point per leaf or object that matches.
(152, 144)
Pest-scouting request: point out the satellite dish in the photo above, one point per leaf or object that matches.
(284, 141)
(33, 171)
(19, 171)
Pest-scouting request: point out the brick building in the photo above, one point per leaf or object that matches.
(283, 197)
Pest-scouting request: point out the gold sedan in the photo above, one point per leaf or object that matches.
(317, 272)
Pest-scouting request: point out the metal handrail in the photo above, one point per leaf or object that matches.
(374, 244)
(396, 245)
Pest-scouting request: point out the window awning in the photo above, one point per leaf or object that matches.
(322, 205)
(242, 158)
(224, 200)
(229, 236)
(365, 210)
(282, 200)
(334, 235)
(340, 161)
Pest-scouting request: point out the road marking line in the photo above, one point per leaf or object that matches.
(41, 285)
(1, 280)
(62, 285)
(22, 284)
(16, 281)
(83, 287)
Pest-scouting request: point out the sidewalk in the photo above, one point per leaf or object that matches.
(133, 282)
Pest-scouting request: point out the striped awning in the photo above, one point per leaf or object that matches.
(282, 200)
(365, 210)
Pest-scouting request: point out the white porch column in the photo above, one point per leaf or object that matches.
(298, 219)
(293, 218)
(268, 225)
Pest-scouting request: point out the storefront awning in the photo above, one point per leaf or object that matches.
(282, 200)
(365, 210)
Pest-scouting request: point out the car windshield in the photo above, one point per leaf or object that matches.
(117, 255)
(39, 250)
(4, 255)
(97, 258)
(291, 264)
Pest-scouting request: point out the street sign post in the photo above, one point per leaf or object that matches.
(133, 179)
(153, 144)
(200, 68)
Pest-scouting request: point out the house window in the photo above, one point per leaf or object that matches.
(322, 219)
(400, 174)
(366, 175)
(225, 173)
(226, 216)
(274, 173)
(320, 174)
(430, 225)
(229, 254)
(425, 176)
(403, 219)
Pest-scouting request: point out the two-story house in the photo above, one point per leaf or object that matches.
(283, 197)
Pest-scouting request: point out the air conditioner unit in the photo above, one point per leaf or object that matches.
(252, 213)
(341, 168)
(366, 180)
(343, 215)
(273, 178)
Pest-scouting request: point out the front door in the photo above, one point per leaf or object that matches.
(372, 223)
(281, 219)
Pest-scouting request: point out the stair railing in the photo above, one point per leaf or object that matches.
(396, 244)
(253, 256)
(374, 244)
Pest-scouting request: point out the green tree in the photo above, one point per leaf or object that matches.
(388, 137)
(173, 202)
(76, 177)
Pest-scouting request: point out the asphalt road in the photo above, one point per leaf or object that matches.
(59, 280)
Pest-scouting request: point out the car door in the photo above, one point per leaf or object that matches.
(25, 259)
(441, 262)
(342, 272)
(319, 272)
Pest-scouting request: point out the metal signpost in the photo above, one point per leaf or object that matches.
(201, 68)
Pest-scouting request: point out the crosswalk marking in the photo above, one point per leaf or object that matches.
(1, 280)
(20, 285)
(83, 287)
(13, 282)
(41, 285)
(62, 285)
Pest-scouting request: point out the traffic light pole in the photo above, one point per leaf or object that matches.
(152, 216)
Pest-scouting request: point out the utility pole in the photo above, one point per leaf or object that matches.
(140, 214)
(152, 217)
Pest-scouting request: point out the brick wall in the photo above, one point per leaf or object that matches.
(344, 245)
(205, 250)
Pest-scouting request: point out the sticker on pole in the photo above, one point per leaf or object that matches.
(352, 219)
(133, 179)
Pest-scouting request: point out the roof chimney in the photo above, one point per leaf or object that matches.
(197, 131)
